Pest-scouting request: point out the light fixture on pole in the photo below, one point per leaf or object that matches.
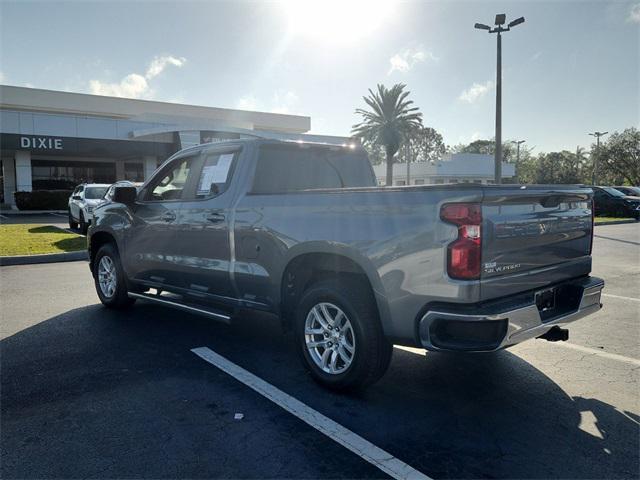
(594, 173)
(499, 27)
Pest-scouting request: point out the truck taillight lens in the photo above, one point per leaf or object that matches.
(463, 254)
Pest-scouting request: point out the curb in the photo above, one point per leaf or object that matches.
(617, 222)
(46, 258)
(31, 212)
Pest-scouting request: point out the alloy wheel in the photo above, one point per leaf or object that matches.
(107, 277)
(329, 338)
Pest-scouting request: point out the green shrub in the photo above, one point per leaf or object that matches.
(43, 200)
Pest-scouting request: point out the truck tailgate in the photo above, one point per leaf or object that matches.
(533, 236)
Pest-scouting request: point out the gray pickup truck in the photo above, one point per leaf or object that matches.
(301, 230)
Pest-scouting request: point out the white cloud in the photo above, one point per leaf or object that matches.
(158, 64)
(408, 58)
(1, 77)
(634, 13)
(136, 85)
(476, 91)
(248, 102)
(133, 85)
(282, 101)
(475, 136)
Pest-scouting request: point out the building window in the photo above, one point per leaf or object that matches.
(419, 182)
(439, 180)
(401, 183)
(65, 175)
(133, 172)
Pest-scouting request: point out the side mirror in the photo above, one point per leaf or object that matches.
(126, 195)
(76, 197)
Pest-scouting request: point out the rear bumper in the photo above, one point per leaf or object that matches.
(504, 322)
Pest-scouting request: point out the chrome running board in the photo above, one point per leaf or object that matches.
(221, 317)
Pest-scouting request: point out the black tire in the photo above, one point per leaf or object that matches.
(372, 352)
(72, 223)
(83, 224)
(119, 299)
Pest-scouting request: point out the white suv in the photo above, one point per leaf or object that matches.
(82, 202)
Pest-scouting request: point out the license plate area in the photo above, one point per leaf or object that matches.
(546, 300)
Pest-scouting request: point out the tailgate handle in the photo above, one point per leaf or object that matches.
(552, 201)
(215, 217)
(168, 217)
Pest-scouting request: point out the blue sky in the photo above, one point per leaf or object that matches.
(572, 68)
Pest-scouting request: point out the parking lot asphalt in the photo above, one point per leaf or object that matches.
(88, 392)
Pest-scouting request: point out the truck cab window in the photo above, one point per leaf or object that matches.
(215, 175)
(170, 184)
(291, 168)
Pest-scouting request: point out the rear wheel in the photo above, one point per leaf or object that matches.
(109, 278)
(339, 335)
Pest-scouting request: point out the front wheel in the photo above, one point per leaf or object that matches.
(339, 335)
(83, 224)
(110, 279)
(72, 223)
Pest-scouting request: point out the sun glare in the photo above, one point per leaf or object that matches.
(336, 21)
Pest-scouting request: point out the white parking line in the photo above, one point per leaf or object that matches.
(336, 432)
(599, 353)
(417, 351)
(621, 297)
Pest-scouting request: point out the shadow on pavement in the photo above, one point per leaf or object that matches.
(74, 382)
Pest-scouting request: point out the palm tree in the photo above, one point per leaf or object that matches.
(390, 118)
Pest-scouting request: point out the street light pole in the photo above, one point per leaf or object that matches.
(499, 28)
(518, 143)
(594, 173)
(498, 159)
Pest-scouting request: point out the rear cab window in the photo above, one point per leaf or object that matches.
(216, 173)
(291, 168)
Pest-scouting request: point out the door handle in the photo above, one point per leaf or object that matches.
(215, 217)
(168, 217)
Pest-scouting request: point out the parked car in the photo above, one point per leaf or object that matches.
(302, 231)
(612, 202)
(627, 190)
(83, 200)
(108, 196)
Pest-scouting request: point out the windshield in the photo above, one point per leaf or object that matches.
(93, 193)
(613, 191)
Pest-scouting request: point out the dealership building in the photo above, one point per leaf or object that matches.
(51, 140)
(56, 140)
(451, 168)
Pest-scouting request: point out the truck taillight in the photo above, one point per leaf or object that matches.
(463, 254)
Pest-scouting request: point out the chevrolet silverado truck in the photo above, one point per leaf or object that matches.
(302, 230)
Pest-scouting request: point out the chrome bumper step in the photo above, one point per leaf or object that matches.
(198, 310)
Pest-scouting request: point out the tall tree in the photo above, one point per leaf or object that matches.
(390, 117)
(487, 147)
(620, 157)
(425, 145)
